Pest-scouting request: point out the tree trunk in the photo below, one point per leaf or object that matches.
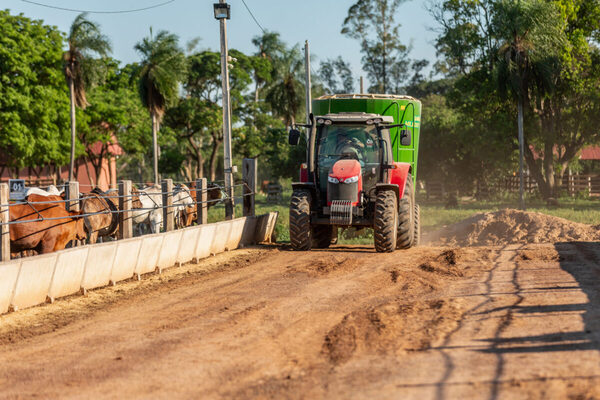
(212, 166)
(521, 155)
(72, 161)
(197, 151)
(155, 147)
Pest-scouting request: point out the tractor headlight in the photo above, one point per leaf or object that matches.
(352, 179)
(331, 179)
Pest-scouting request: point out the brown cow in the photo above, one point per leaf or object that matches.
(100, 215)
(43, 235)
(213, 196)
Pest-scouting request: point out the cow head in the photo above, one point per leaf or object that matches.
(135, 199)
(80, 228)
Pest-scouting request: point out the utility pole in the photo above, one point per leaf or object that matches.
(362, 85)
(308, 83)
(222, 13)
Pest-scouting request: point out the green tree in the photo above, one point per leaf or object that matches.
(269, 50)
(162, 68)
(286, 94)
(531, 35)
(385, 58)
(33, 103)
(498, 50)
(81, 69)
(115, 116)
(336, 76)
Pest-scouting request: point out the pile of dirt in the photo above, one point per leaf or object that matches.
(512, 226)
(391, 328)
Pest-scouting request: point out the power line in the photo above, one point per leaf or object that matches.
(98, 12)
(253, 17)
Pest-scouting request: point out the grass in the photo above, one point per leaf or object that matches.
(433, 214)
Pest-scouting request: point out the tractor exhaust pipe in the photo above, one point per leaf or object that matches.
(307, 82)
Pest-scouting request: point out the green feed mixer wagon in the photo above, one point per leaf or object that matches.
(360, 171)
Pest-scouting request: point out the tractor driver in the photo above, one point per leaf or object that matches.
(349, 145)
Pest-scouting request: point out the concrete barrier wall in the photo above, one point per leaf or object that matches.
(68, 272)
(9, 272)
(34, 280)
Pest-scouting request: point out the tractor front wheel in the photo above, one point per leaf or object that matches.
(386, 221)
(300, 232)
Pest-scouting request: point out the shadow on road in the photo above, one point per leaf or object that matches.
(582, 262)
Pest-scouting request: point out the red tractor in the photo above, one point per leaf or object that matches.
(350, 179)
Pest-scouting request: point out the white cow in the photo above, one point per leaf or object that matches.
(50, 191)
(183, 206)
(150, 214)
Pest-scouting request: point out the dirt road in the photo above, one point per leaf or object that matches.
(428, 323)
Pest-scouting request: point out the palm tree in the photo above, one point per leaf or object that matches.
(531, 35)
(81, 69)
(270, 47)
(286, 94)
(162, 68)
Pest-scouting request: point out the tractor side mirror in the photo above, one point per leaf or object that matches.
(405, 137)
(294, 137)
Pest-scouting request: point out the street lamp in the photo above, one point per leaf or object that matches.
(222, 14)
(222, 11)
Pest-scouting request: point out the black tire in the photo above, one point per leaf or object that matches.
(406, 225)
(300, 232)
(417, 217)
(321, 236)
(386, 221)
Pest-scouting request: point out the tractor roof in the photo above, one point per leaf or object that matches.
(356, 117)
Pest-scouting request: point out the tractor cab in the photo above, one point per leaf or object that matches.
(350, 150)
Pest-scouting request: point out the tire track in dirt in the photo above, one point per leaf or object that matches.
(427, 323)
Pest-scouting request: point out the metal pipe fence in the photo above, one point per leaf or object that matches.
(171, 203)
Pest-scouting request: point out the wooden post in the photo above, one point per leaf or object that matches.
(249, 172)
(167, 189)
(72, 190)
(125, 214)
(4, 219)
(201, 199)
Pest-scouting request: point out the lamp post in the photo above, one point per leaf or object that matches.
(223, 13)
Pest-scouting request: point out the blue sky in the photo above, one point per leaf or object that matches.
(318, 21)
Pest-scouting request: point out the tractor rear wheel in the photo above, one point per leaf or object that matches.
(300, 231)
(417, 237)
(321, 236)
(386, 221)
(406, 224)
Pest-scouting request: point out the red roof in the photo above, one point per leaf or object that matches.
(587, 153)
(590, 153)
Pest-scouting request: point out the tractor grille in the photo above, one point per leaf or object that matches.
(342, 191)
(341, 212)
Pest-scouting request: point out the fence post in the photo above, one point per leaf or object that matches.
(4, 219)
(201, 199)
(167, 189)
(249, 172)
(125, 206)
(72, 190)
